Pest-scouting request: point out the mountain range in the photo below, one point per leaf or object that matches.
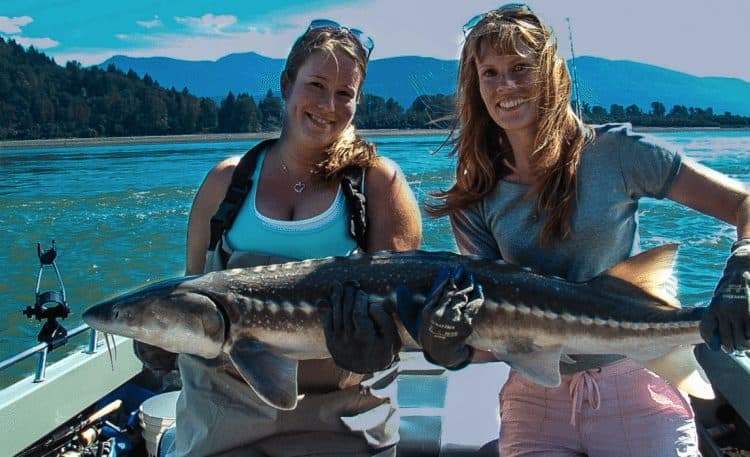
(601, 81)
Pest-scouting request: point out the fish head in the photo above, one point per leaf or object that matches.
(172, 314)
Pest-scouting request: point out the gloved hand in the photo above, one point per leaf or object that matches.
(361, 336)
(726, 324)
(155, 358)
(444, 324)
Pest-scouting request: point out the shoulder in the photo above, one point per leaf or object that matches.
(217, 181)
(613, 128)
(224, 169)
(623, 134)
(384, 172)
(391, 208)
(619, 141)
(611, 134)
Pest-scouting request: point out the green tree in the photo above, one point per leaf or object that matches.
(246, 114)
(431, 111)
(271, 112)
(633, 111)
(658, 109)
(599, 115)
(225, 115)
(207, 116)
(617, 112)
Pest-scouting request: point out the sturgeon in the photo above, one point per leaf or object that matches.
(267, 318)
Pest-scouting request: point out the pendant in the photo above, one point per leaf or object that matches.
(299, 187)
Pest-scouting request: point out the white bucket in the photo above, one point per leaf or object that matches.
(157, 414)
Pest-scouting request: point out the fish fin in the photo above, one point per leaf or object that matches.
(682, 370)
(650, 270)
(565, 358)
(271, 376)
(541, 366)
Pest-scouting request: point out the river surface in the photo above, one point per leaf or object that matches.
(119, 215)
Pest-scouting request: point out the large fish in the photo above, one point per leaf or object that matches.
(266, 318)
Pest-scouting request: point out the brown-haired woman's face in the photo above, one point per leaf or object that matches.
(322, 100)
(506, 83)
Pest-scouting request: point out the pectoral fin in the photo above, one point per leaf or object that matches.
(272, 377)
(682, 370)
(541, 366)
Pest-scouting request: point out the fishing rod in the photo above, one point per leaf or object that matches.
(576, 90)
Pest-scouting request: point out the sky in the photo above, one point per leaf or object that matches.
(683, 35)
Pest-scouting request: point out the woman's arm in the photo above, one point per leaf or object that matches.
(205, 205)
(714, 194)
(394, 220)
(727, 321)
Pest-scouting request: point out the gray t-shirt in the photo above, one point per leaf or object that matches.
(616, 170)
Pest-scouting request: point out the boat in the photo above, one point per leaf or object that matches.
(88, 402)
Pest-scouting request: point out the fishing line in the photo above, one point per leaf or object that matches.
(576, 90)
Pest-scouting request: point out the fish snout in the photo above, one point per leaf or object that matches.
(99, 317)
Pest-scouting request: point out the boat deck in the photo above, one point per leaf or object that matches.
(443, 413)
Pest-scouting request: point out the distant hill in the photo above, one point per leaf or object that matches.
(603, 82)
(255, 74)
(406, 78)
(133, 97)
(248, 72)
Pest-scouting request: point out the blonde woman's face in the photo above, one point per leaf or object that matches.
(506, 83)
(322, 100)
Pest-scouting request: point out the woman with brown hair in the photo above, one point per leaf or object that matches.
(301, 201)
(537, 187)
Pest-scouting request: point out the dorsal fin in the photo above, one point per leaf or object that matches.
(649, 270)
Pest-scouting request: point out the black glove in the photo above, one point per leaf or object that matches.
(727, 322)
(155, 358)
(444, 324)
(361, 336)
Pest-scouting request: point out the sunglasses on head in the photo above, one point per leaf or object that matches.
(365, 40)
(510, 8)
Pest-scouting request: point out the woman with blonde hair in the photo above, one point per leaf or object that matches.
(537, 187)
(318, 190)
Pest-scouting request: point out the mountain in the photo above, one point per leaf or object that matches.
(255, 74)
(247, 72)
(406, 78)
(605, 82)
(602, 82)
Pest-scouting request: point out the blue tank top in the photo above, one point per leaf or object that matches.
(319, 236)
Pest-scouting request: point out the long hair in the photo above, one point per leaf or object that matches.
(349, 148)
(482, 146)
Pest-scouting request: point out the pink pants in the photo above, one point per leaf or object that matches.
(621, 409)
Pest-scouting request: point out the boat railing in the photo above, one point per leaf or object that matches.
(49, 306)
(43, 350)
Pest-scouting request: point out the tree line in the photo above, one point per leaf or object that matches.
(40, 99)
(658, 116)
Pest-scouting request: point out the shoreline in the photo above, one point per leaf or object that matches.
(190, 138)
(239, 137)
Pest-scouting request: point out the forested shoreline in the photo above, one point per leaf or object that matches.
(42, 100)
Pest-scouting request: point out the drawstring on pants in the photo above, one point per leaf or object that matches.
(583, 384)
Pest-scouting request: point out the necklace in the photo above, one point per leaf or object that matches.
(300, 185)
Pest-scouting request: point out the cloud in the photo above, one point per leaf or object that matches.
(11, 25)
(186, 47)
(208, 23)
(39, 43)
(155, 22)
